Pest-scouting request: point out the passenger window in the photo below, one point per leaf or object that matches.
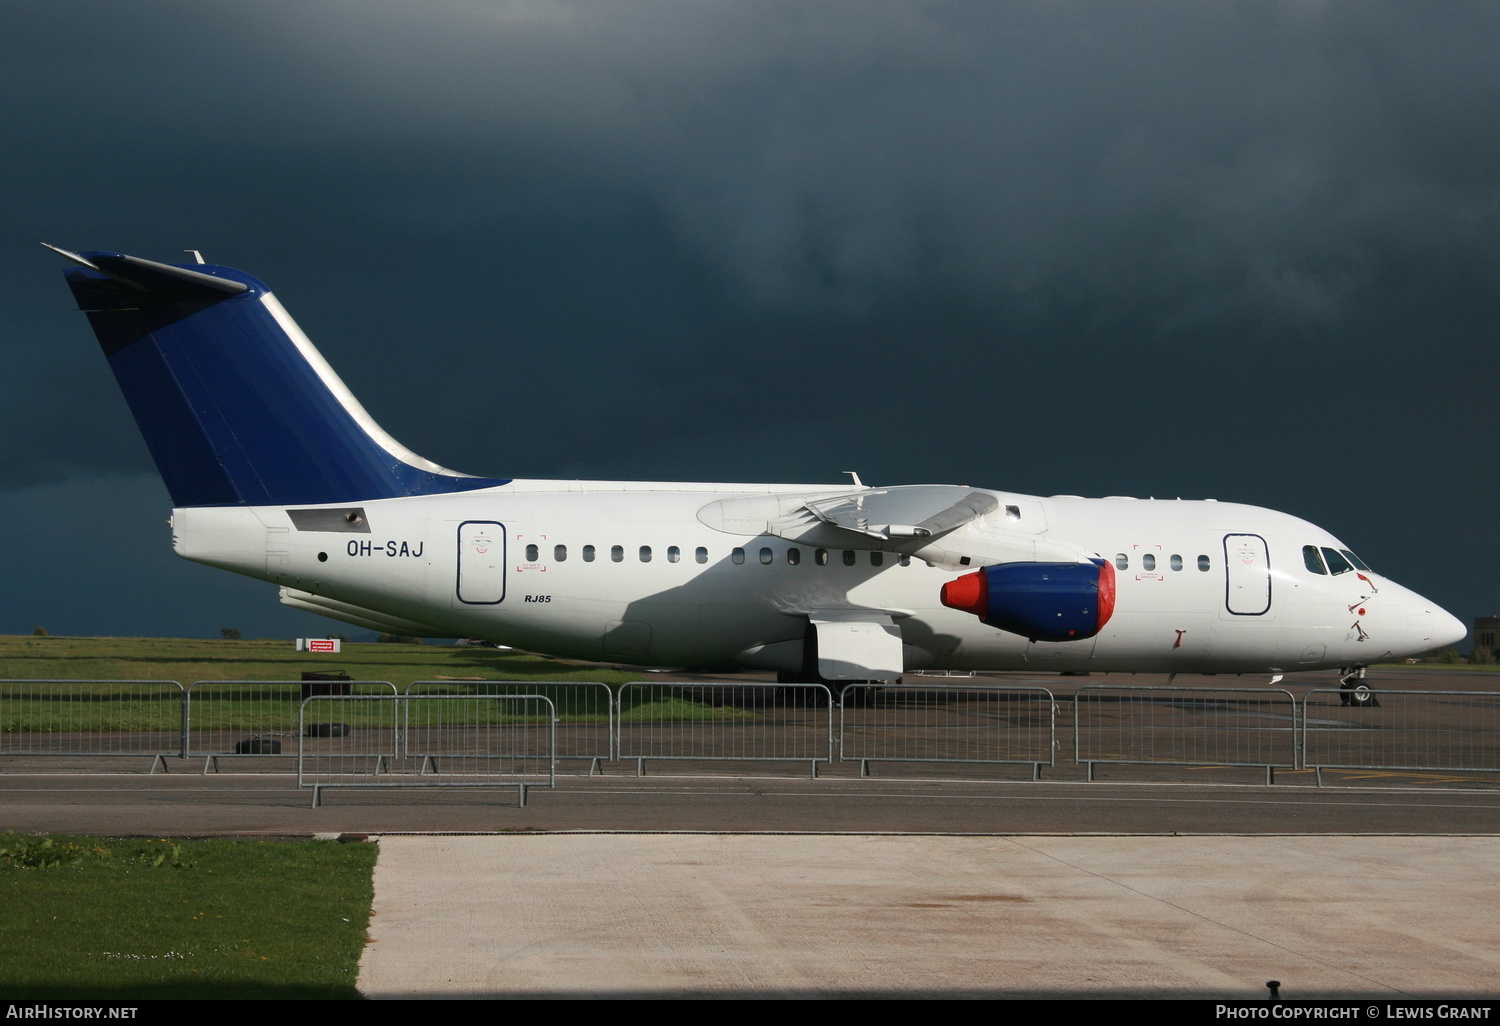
(1122, 561)
(645, 553)
(674, 554)
(560, 553)
(701, 555)
(617, 553)
(1203, 563)
(737, 556)
(906, 559)
(1312, 560)
(532, 554)
(848, 557)
(1175, 561)
(877, 558)
(588, 553)
(820, 557)
(1337, 564)
(1148, 562)
(793, 555)
(766, 555)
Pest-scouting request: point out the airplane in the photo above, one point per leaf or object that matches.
(275, 471)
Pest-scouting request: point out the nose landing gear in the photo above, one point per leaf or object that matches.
(1353, 690)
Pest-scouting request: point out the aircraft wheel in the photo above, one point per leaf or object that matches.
(326, 730)
(856, 696)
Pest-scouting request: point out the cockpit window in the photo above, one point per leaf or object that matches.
(1337, 564)
(1312, 560)
(1355, 560)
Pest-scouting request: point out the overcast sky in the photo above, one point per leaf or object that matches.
(1241, 251)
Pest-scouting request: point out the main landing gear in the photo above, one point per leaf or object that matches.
(849, 693)
(1354, 691)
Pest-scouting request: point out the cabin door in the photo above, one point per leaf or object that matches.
(480, 580)
(1247, 575)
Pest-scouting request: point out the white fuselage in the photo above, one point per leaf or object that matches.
(692, 575)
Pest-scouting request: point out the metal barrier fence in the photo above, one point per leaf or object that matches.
(740, 722)
(92, 718)
(585, 710)
(1185, 726)
(484, 741)
(1441, 731)
(948, 723)
(1418, 731)
(255, 717)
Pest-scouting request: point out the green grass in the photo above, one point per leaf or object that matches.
(186, 660)
(105, 707)
(133, 919)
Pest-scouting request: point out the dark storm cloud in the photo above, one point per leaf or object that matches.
(1254, 162)
(1203, 248)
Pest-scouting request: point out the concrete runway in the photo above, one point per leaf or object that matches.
(818, 916)
(190, 804)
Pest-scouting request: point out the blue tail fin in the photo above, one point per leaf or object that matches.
(236, 405)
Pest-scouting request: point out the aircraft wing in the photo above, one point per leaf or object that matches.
(913, 511)
(872, 518)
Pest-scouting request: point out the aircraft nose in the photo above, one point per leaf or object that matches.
(1434, 626)
(1447, 629)
(1421, 624)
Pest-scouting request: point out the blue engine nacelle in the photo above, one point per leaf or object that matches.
(1040, 601)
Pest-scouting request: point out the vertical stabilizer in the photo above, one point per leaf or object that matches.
(235, 403)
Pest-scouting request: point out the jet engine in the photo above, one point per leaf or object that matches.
(1040, 601)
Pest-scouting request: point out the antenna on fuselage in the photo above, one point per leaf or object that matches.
(855, 475)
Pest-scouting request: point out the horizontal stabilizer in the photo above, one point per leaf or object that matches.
(152, 277)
